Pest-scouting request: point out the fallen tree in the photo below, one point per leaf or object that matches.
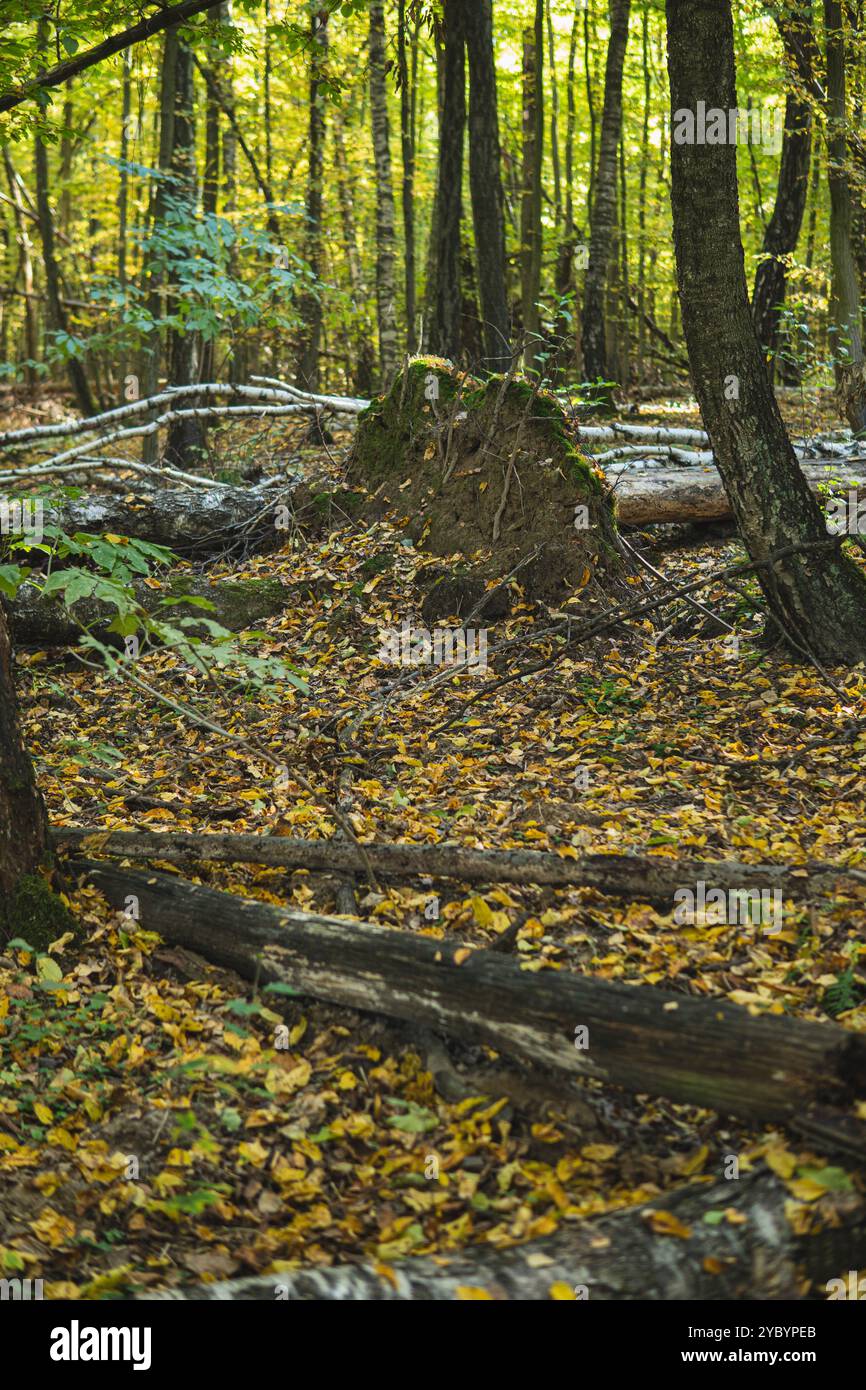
(662, 1250)
(696, 1051)
(190, 522)
(698, 494)
(650, 878)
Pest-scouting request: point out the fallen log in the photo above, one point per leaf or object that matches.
(698, 494)
(622, 1255)
(190, 522)
(42, 621)
(650, 878)
(695, 1051)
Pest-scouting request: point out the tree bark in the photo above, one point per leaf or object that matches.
(647, 878)
(485, 181)
(386, 239)
(817, 597)
(603, 217)
(623, 1255)
(703, 1052)
(185, 439)
(23, 824)
(443, 295)
(310, 306)
(56, 312)
(530, 202)
(783, 229)
(845, 298)
(407, 150)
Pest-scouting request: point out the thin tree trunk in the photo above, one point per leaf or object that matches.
(56, 311)
(407, 149)
(123, 191)
(25, 248)
(641, 209)
(185, 437)
(363, 356)
(848, 344)
(530, 204)
(554, 122)
(310, 303)
(443, 335)
(485, 180)
(386, 239)
(603, 220)
(816, 596)
(783, 229)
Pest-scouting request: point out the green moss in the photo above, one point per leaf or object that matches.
(387, 428)
(35, 913)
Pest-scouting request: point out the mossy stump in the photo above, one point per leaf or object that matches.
(34, 913)
(489, 472)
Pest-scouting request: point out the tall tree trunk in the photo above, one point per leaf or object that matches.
(23, 824)
(530, 203)
(185, 437)
(56, 312)
(443, 330)
(386, 239)
(25, 248)
(485, 181)
(153, 277)
(554, 121)
(363, 356)
(407, 150)
(848, 344)
(783, 229)
(641, 208)
(310, 303)
(123, 191)
(603, 218)
(817, 596)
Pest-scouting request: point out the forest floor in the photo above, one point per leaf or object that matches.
(672, 740)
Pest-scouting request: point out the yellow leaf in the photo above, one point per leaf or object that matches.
(465, 1292)
(43, 1113)
(561, 1293)
(664, 1223)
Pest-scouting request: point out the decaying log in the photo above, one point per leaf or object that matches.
(190, 522)
(621, 1256)
(649, 878)
(697, 494)
(697, 1051)
(40, 621)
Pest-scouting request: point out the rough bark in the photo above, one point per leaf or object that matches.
(485, 182)
(845, 297)
(407, 151)
(185, 439)
(23, 825)
(783, 229)
(530, 201)
(310, 306)
(645, 877)
(386, 238)
(442, 337)
(57, 320)
(696, 1051)
(603, 216)
(817, 597)
(620, 1256)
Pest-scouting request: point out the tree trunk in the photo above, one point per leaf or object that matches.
(363, 355)
(783, 229)
(23, 825)
(407, 149)
(485, 182)
(185, 439)
(530, 202)
(56, 311)
(816, 595)
(704, 1052)
(444, 298)
(603, 217)
(310, 303)
(386, 240)
(848, 336)
(25, 248)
